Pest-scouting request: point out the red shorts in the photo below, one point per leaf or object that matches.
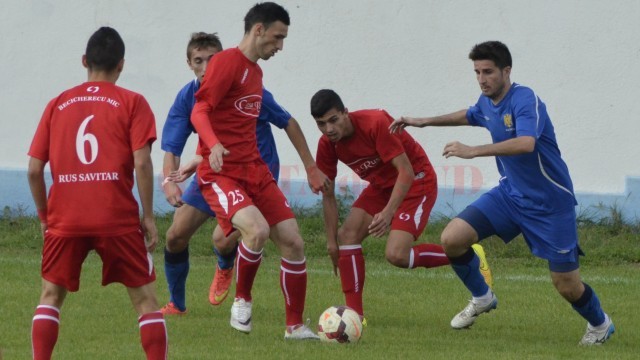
(412, 214)
(242, 185)
(124, 259)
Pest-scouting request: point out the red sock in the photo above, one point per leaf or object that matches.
(153, 335)
(428, 256)
(247, 264)
(351, 266)
(44, 331)
(293, 282)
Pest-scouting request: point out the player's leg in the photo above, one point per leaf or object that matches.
(351, 263)
(585, 302)
(46, 320)
(254, 231)
(555, 238)
(125, 260)
(62, 260)
(293, 277)
(489, 215)
(153, 331)
(186, 221)
(407, 224)
(225, 248)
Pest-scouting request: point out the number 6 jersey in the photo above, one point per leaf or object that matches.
(88, 135)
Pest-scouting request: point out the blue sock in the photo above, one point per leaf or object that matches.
(588, 306)
(467, 267)
(176, 269)
(226, 261)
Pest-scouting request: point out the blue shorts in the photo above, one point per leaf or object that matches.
(550, 236)
(193, 197)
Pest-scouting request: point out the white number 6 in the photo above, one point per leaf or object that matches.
(81, 138)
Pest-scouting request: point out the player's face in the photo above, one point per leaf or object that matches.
(493, 82)
(335, 125)
(270, 40)
(199, 59)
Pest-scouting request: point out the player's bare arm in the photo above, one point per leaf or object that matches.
(144, 180)
(330, 212)
(187, 170)
(38, 188)
(318, 181)
(172, 191)
(517, 146)
(458, 118)
(382, 220)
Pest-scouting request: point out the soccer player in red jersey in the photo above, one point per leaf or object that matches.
(401, 192)
(94, 136)
(234, 179)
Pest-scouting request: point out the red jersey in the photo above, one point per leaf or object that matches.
(232, 86)
(88, 135)
(370, 149)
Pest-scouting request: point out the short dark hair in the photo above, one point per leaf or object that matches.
(105, 50)
(492, 50)
(266, 13)
(325, 100)
(202, 40)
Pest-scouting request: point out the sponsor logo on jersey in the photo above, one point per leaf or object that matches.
(362, 166)
(508, 121)
(93, 89)
(249, 105)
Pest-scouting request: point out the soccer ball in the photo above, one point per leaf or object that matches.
(339, 324)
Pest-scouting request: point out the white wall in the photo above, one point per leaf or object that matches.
(409, 57)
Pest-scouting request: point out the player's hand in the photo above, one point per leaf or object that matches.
(332, 249)
(172, 193)
(404, 121)
(458, 149)
(215, 159)
(318, 181)
(43, 228)
(150, 233)
(380, 223)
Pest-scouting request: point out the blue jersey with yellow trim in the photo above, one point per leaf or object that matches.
(538, 180)
(178, 126)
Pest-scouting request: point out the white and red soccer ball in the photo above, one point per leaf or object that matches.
(339, 324)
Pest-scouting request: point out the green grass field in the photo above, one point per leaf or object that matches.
(408, 312)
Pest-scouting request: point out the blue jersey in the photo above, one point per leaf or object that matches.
(178, 126)
(538, 180)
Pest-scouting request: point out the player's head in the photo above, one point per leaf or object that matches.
(200, 50)
(492, 64)
(105, 51)
(267, 24)
(332, 118)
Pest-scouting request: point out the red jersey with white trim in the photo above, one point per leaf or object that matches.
(232, 86)
(370, 149)
(88, 135)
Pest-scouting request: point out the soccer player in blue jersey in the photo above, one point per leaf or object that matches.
(534, 196)
(191, 208)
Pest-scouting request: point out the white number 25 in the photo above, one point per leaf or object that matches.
(81, 138)
(236, 196)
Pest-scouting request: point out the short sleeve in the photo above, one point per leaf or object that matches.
(143, 124)
(326, 158)
(40, 144)
(272, 112)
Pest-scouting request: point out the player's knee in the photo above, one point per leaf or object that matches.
(348, 237)
(175, 241)
(396, 258)
(570, 290)
(452, 241)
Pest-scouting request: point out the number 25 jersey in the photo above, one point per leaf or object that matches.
(88, 135)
